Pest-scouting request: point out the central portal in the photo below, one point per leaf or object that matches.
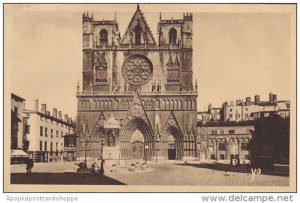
(137, 145)
(137, 150)
(171, 148)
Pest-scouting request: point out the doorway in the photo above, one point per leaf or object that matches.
(171, 151)
(137, 150)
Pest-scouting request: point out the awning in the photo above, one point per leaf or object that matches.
(18, 153)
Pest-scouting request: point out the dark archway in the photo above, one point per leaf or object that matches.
(138, 34)
(172, 36)
(103, 37)
(172, 143)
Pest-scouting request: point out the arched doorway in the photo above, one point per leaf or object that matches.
(172, 139)
(137, 145)
(135, 135)
(171, 148)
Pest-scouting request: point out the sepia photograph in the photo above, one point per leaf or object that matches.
(149, 97)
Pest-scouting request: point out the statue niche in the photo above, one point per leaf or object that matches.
(111, 138)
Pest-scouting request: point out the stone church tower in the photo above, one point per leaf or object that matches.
(138, 97)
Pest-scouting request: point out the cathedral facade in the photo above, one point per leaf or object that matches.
(138, 98)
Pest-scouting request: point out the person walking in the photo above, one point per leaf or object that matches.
(29, 165)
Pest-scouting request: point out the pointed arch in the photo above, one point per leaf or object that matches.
(138, 34)
(179, 104)
(176, 104)
(167, 104)
(99, 124)
(94, 106)
(80, 104)
(172, 36)
(103, 37)
(136, 118)
(101, 104)
(157, 104)
(171, 126)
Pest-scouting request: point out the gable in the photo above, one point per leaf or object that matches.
(138, 21)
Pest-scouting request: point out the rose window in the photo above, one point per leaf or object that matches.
(137, 70)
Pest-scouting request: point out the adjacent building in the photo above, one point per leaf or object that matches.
(17, 126)
(212, 114)
(45, 141)
(247, 110)
(224, 133)
(222, 140)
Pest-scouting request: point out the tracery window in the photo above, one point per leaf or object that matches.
(137, 70)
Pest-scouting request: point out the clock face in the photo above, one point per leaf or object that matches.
(137, 70)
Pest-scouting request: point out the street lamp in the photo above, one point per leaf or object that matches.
(102, 146)
(146, 149)
(84, 128)
(156, 147)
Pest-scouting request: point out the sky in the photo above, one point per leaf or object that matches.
(238, 50)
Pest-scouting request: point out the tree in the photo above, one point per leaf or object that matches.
(271, 138)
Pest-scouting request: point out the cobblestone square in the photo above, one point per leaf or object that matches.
(155, 174)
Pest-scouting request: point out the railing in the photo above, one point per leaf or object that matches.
(139, 47)
(70, 149)
(112, 93)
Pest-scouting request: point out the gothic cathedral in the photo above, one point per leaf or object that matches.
(138, 98)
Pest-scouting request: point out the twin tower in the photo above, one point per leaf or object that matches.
(138, 98)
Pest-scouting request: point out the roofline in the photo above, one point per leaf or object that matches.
(18, 98)
(225, 123)
(72, 124)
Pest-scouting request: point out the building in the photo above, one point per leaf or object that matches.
(212, 114)
(145, 87)
(244, 111)
(222, 141)
(45, 141)
(17, 127)
(70, 142)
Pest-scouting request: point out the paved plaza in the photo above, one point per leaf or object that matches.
(155, 174)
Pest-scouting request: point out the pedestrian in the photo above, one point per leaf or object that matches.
(101, 171)
(93, 167)
(29, 165)
(98, 164)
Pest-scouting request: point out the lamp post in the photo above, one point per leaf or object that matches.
(146, 149)
(102, 146)
(101, 169)
(156, 147)
(84, 128)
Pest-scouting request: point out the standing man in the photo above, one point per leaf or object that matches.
(29, 165)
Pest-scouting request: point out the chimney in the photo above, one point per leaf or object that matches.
(66, 118)
(271, 99)
(248, 99)
(256, 98)
(274, 98)
(48, 113)
(43, 110)
(54, 114)
(231, 103)
(36, 105)
(238, 102)
(209, 108)
(59, 115)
